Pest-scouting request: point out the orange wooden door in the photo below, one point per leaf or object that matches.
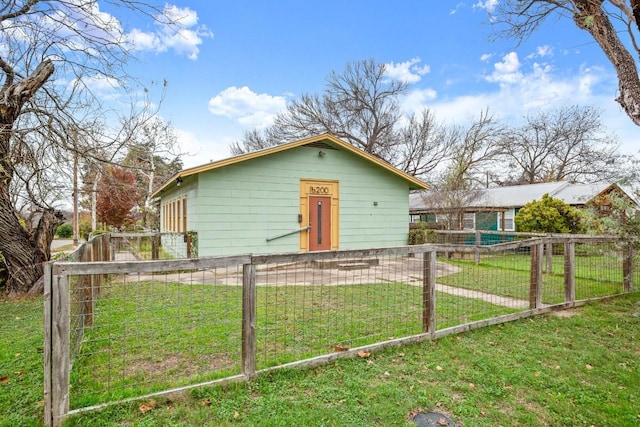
(320, 223)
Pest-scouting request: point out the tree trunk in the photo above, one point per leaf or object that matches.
(24, 252)
(591, 17)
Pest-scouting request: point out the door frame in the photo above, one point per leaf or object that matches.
(324, 188)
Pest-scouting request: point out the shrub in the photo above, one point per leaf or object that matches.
(548, 215)
(65, 231)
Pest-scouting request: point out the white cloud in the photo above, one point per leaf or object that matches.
(545, 50)
(247, 107)
(488, 5)
(417, 99)
(408, 71)
(507, 71)
(486, 56)
(541, 52)
(456, 8)
(517, 89)
(177, 30)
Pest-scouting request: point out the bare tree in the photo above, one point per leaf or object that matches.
(41, 118)
(570, 143)
(361, 106)
(422, 145)
(603, 20)
(154, 155)
(476, 150)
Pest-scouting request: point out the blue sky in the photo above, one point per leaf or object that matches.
(233, 65)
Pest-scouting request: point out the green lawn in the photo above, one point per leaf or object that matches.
(509, 275)
(153, 335)
(580, 369)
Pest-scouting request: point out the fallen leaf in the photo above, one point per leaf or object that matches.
(442, 422)
(17, 354)
(557, 367)
(341, 348)
(4, 380)
(236, 414)
(439, 368)
(364, 354)
(589, 367)
(472, 385)
(206, 402)
(146, 407)
(537, 374)
(386, 373)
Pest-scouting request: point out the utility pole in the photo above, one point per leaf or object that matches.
(75, 197)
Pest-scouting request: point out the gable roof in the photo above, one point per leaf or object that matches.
(319, 141)
(516, 196)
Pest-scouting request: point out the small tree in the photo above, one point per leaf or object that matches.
(117, 195)
(548, 215)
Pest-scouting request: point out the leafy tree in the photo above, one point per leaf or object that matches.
(117, 195)
(548, 215)
(603, 20)
(614, 214)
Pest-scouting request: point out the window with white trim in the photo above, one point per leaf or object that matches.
(469, 221)
(508, 217)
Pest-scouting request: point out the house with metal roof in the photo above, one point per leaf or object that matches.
(495, 208)
(319, 193)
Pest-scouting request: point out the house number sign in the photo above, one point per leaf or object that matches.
(319, 189)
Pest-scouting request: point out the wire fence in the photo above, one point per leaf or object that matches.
(122, 329)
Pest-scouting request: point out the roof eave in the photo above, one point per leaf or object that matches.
(414, 183)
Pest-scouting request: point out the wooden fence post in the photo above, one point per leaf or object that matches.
(548, 251)
(569, 272)
(627, 267)
(429, 292)
(249, 320)
(85, 285)
(535, 288)
(476, 253)
(155, 246)
(60, 349)
(187, 239)
(47, 348)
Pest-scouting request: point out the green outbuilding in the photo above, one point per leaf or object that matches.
(315, 194)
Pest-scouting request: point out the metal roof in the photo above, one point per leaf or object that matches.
(517, 196)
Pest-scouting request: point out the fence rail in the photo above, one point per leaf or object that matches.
(123, 329)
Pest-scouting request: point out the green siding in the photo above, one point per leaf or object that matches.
(236, 208)
(487, 221)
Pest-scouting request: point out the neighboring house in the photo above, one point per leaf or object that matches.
(319, 193)
(495, 208)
